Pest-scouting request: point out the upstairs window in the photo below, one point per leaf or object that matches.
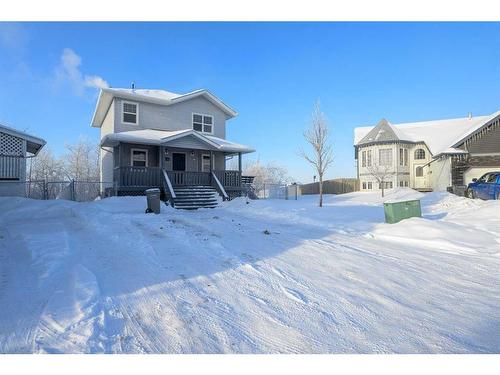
(369, 158)
(419, 154)
(403, 157)
(363, 159)
(129, 113)
(385, 157)
(203, 123)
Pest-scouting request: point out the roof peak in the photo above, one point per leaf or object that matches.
(382, 132)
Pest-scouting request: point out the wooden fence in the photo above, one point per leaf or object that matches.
(335, 186)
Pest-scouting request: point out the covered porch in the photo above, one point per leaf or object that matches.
(139, 164)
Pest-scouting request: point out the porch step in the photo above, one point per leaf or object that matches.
(423, 190)
(194, 197)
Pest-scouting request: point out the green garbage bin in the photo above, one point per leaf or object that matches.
(397, 211)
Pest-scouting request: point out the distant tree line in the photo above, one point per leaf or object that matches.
(79, 162)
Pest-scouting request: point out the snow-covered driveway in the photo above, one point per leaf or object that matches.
(271, 276)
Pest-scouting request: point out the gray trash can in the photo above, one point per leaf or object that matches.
(153, 198)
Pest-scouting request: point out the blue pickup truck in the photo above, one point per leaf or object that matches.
(486, 187)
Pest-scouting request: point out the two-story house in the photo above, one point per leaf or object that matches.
(430, 155)
(177, 142)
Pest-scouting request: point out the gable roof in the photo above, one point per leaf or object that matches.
(161, 97)
(440, 136)
(163, 137)
(33, 144)
(382, 132)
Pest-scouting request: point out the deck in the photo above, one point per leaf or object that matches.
(142, 178)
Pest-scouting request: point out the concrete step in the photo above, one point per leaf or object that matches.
(193, 197)
(189, 188)
(186, 191)
(194, 192)
(194, 201)
(193, 206)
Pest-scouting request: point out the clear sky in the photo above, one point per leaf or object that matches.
(271, 73)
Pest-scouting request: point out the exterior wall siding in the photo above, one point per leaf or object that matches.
(400, 173)
(487, 142)
(12, 189)
(193, 162)
(125, 154)
(173, 117)
(12, 165)
(190, 142)
(440, 173)
(106, 164)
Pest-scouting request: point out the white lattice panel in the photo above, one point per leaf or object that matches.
(10, 145)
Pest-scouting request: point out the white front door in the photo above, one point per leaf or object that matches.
(205, 163)
(420, 177)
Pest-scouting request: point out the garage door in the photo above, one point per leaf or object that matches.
(476, 172)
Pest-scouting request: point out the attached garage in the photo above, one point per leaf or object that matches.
(476, 172)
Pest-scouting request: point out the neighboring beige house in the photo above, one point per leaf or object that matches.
(427, 156)
(15, 147)
(176, 142)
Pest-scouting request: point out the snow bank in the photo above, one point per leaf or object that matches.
(265, 277)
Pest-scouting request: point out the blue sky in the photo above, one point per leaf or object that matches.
(271, 73)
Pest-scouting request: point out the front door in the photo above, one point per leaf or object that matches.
(420, 178)
(178, 161)
(205, 163)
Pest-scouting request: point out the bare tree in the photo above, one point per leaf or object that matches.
(380, 172)
(45, 167)
(317, 135)
(81, 163)
(270, 173)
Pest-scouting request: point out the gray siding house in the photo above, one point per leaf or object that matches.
(176, 142)
(15, 147)
(429, 155)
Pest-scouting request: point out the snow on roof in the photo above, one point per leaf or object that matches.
(161, 97)
(162, 137)
(155, 94)
(440, 136)
(33, 144)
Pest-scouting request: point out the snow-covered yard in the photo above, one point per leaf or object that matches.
(271, 276)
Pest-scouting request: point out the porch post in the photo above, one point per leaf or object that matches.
(161, 160)
(211, 161)
(119, 174)
(239, 169)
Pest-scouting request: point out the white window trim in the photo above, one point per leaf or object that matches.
(211, 162)
(423, 151)
(132, 156)
(202, 125)
(136, 115)
(390, 153)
